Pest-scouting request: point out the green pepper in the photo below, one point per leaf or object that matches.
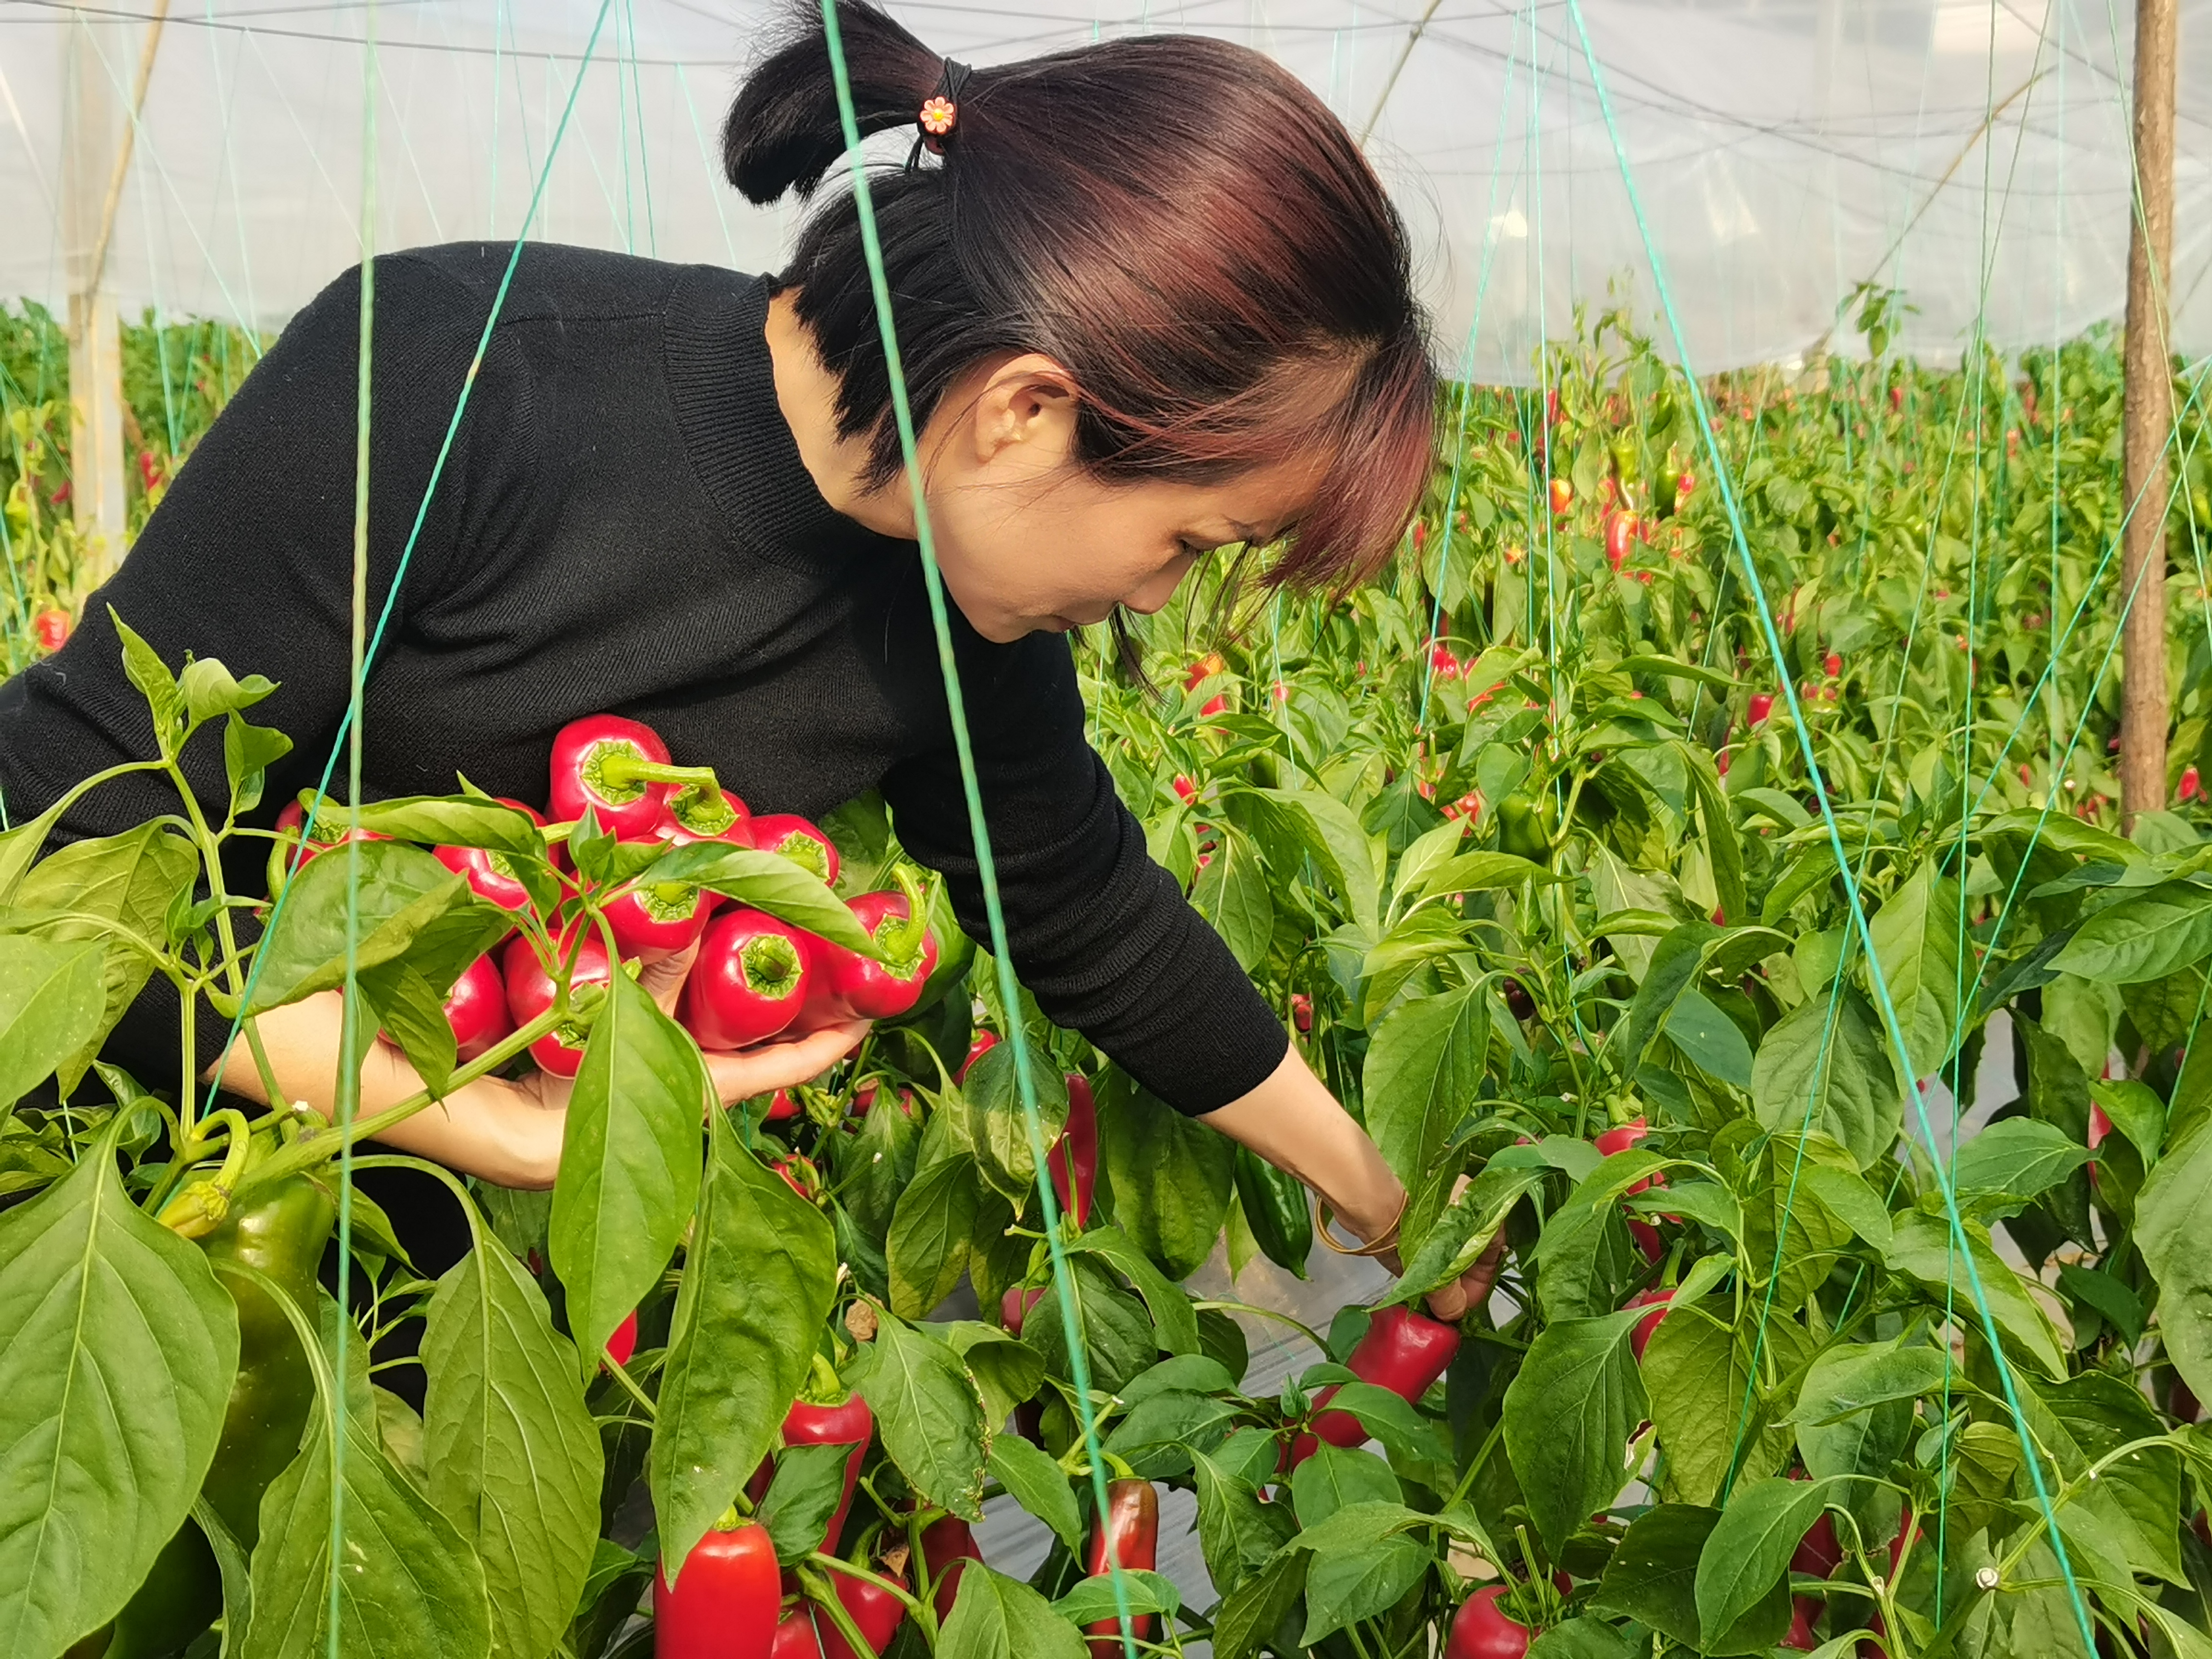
(280, 1231)
(1521, 829)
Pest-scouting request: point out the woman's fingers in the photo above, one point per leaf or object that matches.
(1472, 1288)
(664, 980)
(772, 1066)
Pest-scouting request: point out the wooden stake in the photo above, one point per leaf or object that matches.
(2148, 422)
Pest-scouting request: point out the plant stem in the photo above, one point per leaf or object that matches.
(307, 1152)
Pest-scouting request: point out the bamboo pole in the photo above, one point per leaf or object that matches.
(2148, 421)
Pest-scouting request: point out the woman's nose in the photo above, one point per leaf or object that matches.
(1156, 593)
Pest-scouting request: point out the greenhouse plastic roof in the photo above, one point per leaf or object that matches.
(1783, 152)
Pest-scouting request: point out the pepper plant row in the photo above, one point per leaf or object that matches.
(1787, 1353)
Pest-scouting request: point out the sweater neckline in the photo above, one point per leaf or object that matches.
(721, 379)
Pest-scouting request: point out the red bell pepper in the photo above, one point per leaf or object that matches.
(899, 923)
(691, 815)
(1015, 1305)
(613, 767)
(1481, 1630)
(984, 1042)
(849, 986)
(476, 1009)
(1799, 1638)
(52, 628)
(654, 923)
(1403, 1351)
(849, 1423)
(1074, 1155)
(488, 869)
(794, 1636)
(947, 1545)
(530, 993)
(1130, 1531)
(291, 824)
(783, 1104)
(749, 982)
(724, 1602)
(623, 1343)
(1640, 1338)
(796, 839)
(875, 1613)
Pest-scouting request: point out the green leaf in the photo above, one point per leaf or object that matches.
(765, 881)
(512, 1453)
(2136, 1112)
(1699, 1376)
(1333, 834)
(1095, 1599)
(928, 1243)
(1255, 1613)
(928, 1411)
(131, 880)
(454, 821)
(1652, 1578)
(1713, 1042)
(629, 1164)
(1170, 1176)
(236, 1571)
(117, 1351)
(995, 1617)
(1479, 873)
(1172, 1316)
(1422, 1072)
(1039, 1485)
(1238, 1534)
(409, 1583)
(1449, 1246)
(2015, 1159)
(52, 999)
(1569, 1414)
(248, 752)
(143, 667)
(2112, 1300)
(759, 1278)
(808, 1485)
(1336, 1478)
(2143, 935)
(1675, 966)
(1826, 1066)
(1117, 1332)
(1921, 1249)
(1343, 1586)
(1722, 848)
(1581, 1638)
(1748, 1553)
(2173, 1223)
(210, 689)
(1915, 937)
(1232, 894)
(1159, 1432)
(403, 891)
(998, 1127)
(1850, 1380)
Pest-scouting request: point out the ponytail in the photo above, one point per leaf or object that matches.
(1176, 219)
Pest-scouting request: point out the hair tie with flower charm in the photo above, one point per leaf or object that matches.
(941, 112)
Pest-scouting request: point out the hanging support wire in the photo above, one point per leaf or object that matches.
(1009, 991)
(1858, 915)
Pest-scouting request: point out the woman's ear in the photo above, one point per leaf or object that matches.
(1026, 412)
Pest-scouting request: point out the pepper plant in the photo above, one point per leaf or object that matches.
(1841, 1135)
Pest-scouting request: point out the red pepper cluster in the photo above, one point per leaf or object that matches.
(755, 977)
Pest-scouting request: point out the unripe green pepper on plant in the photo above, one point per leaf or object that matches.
(1521, 831)
(280, 1230)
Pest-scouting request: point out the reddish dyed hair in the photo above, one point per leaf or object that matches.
(1176, 219)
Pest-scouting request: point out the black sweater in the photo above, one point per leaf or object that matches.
(623, 524)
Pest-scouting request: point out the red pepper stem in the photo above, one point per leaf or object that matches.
(846, 1569)
(906, 941)
(621, 768)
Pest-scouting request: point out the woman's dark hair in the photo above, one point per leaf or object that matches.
(1176, 219)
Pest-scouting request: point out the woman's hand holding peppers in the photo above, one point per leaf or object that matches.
(505, 1131)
